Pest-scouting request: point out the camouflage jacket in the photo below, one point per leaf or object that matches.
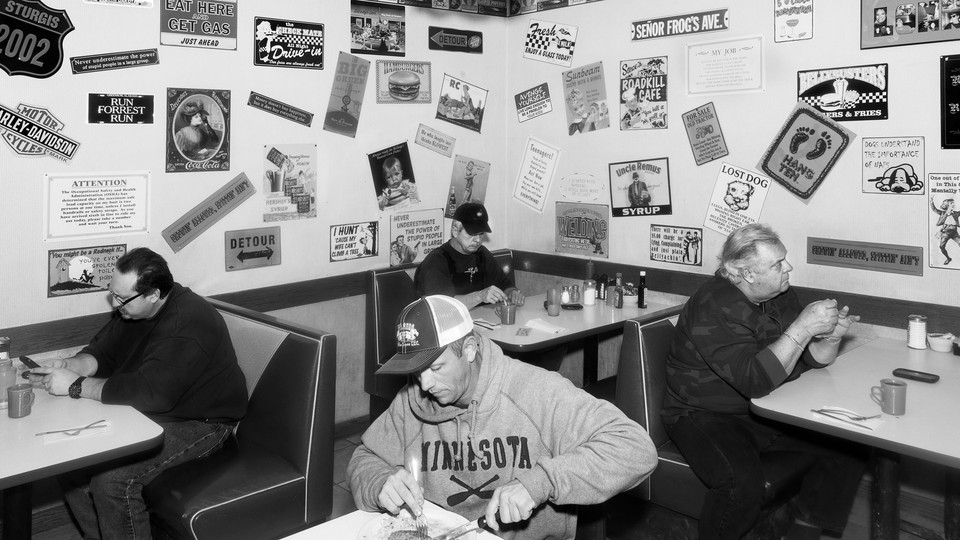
(720, 358)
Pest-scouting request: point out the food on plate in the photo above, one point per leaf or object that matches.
(404, 535)
(403, 85)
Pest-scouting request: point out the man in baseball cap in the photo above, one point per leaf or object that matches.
(480, 433)
(463, 268)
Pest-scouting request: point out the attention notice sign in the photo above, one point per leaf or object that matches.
(891, 258)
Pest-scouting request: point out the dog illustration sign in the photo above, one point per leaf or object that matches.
(737, 200)
(805, 150)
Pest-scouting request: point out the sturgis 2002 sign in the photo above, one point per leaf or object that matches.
(31, 38)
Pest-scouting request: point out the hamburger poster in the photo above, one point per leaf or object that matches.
(400, 81)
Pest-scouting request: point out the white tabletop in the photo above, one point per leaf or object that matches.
(27, 457)
(347, 527)
(926, 431)
(577, 323)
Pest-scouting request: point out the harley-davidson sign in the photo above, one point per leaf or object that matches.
(33, 40)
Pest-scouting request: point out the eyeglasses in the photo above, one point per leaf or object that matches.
(121, 302)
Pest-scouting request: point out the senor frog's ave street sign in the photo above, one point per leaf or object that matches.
(251, 248)
(33, 38)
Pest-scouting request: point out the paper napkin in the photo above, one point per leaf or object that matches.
(544, 326)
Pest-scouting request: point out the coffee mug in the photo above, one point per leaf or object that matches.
(507, 313)
(891, 395)
(19, 400)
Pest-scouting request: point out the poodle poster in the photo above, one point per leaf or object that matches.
(805, 150)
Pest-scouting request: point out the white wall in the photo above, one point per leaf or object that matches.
(837, 210)
(345, 188)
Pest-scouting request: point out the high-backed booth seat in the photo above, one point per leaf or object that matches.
(275, 475)
(388, 292)
(641, 385)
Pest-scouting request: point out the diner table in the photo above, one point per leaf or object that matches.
(349, 526)
(586, 324)
(927, 429)
(27, 457)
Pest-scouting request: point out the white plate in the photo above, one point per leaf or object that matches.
(439, 521)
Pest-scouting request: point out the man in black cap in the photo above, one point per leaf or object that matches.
(463, 268)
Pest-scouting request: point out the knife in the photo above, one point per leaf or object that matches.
(474, 525)
(846, 420)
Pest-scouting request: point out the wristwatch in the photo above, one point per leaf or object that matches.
(76, 387)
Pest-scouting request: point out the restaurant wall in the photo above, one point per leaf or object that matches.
(345, 191)
(839, 209)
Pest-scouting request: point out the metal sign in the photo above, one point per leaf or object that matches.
(119, 109)
(202, 216)
(891, 258)
(451, 39)
(31, 37)
(251, 248)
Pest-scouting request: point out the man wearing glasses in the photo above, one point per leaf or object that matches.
(166, 352)
(465, 269)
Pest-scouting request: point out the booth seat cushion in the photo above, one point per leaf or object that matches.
(227, 481)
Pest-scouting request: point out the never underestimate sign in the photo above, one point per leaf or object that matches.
(678, 25)
(204, 215)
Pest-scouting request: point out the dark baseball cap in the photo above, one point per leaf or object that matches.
(424, 329)
(474, 218)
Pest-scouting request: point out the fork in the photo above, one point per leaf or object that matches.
(413, 466)
(851, 416)
(72, 432)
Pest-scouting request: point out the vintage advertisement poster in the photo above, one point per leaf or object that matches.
(119, 109)
(468, 183)
(289, 182)
(640, 188)
(201, 217)
(738, 197)
(454, 40)
(31, 49)
(950, 101)
(678, 25)
(346, 96)
(846, 93)
(704, 133)
(414, 234)
(81, 270)
(792, 20)
(536, 173)
(377, 29)
(118, 60)
(198, 130)
(251, 248)
(677, 245)
(210, 24)
(893, 165)
(281, 109)
(394, 184)
(293, 44)
(726, 67)
(549, 42)
(354, 241)
(805, 150)
(461, 103)
(435, 140)
(583, 229)
(585, 93)
(35, 131)
(889, 258)
(401, 81)
(886, 23)
(95, 204)
(944, 220)
(533, 102)
(643, 93)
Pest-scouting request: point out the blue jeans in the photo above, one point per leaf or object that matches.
(724, 451)
(107, 499)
